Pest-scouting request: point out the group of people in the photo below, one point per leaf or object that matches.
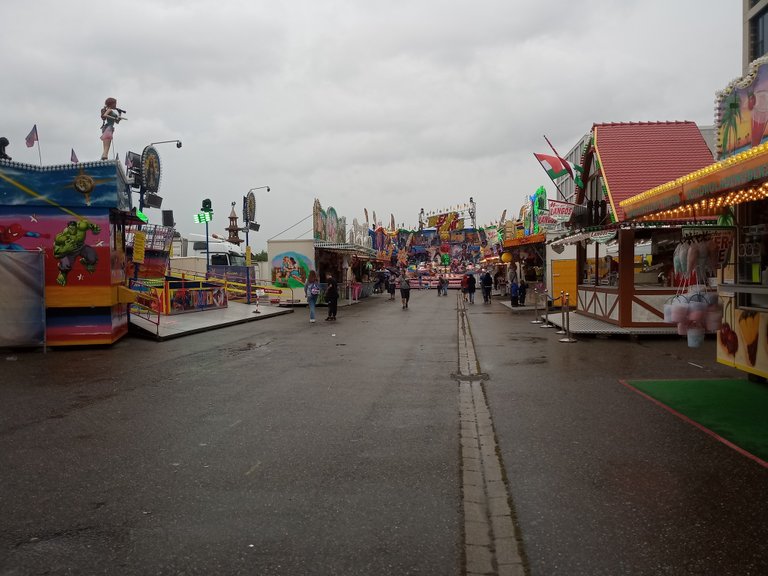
(392, 282)
(517, 288)
(312, 291)
(469, 286)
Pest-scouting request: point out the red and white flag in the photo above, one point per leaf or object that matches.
(73, 157)
(32, 137)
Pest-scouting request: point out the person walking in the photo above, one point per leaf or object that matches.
(522, 288)
(440, 283)
(405, 290)
(391, 285)
(332, 297)
(312, 291)
(471, 285)
(465, 286)
(486, 283)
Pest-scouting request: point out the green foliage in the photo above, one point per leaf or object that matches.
(259, 256)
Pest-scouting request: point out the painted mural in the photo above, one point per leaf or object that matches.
(327, 225)
(290, 269)
(741, 113)
(742, 340)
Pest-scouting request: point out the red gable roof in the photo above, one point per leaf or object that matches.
(638, 156)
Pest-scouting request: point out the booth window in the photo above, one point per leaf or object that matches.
(752, 253)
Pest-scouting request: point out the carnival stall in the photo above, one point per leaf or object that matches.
(733, 190)
(76, 215)
(619, 261)
(346, 255)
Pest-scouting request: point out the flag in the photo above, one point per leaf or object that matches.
(73, 157)
(32, 137)
(557, 167)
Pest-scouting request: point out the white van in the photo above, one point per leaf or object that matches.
(189, 253)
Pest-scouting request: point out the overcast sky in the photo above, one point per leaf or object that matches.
(391, 106)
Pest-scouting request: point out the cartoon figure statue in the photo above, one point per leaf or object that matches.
(10, 234)
(70, 243)
(3, 143)
(110, 115)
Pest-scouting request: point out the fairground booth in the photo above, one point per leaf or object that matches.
(734, 190)
(62, 253)
(525, 241)
(629, 270)
(347, 255)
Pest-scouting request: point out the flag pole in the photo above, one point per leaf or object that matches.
(550, 145)
(562, 196)
(39, 153)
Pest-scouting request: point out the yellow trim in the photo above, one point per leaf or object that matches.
(648, 195)
(605, 178)
(91, 296)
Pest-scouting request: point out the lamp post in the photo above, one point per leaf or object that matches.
(249, 215)
(249, 211)
(204, 216)
(152, 169)
(178, 142)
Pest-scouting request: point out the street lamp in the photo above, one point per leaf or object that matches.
(204, 216)
(145, 169)
(249, 212)
(178, 142)
(249, 221)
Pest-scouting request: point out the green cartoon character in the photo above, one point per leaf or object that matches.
(70, 243)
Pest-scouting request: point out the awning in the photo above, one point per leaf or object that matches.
(606, 233)
(344, 248)
(602, 235)
(522, 241)
(705, 192)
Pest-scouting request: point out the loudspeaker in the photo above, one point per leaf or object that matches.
(168, 218)
(152, 200)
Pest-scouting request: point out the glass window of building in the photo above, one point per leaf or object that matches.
(760, 34)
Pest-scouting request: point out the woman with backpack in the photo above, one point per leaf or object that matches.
(312, 291)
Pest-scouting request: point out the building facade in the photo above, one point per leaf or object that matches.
(755, 31)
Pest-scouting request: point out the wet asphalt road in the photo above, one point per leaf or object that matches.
(603, 481)
(279, 447)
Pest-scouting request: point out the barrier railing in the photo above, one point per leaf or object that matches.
(567, 320)
(536, 317)
(547, 323)
(147, 304)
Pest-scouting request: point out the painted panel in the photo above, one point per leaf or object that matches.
(742, 341)
(67, 187)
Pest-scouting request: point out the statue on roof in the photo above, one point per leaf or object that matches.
(110, 115)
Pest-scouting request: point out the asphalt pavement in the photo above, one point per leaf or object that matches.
(284, 447)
